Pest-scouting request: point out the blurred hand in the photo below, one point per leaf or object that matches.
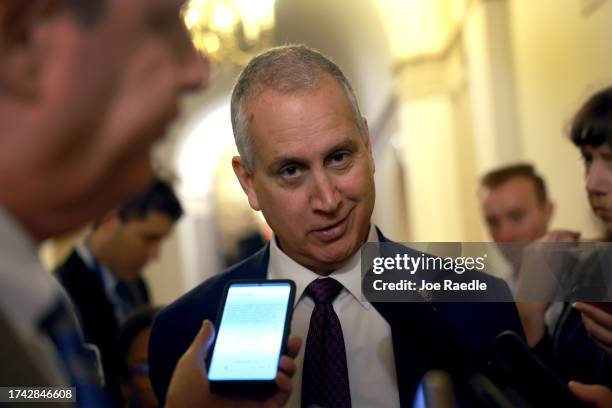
(598, 396)
(598, 323)
(189, 385)
(538, 280)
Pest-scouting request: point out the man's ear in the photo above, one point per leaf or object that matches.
(246, 179)
(23, 45)
(368, 143)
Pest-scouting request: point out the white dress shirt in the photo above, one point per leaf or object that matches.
(367, 336)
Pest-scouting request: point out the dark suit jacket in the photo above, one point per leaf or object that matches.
(95, 310)
(445, 335)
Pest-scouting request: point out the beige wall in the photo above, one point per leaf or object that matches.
(561, 56)
(501, 90)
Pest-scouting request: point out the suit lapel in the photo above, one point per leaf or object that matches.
(255, 267)
(422, 338)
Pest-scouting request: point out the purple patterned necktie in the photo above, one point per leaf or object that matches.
(325, 380)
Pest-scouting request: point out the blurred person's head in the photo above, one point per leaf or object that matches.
(132, 359)
(77, 113)
(515, 204)
(305, 155)
(591, 132)
(125, 240)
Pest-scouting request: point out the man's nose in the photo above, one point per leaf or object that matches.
(193, 64)
(596, 182)
(325, 195)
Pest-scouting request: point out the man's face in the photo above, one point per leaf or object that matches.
(598, 163)
(108, 92)
(513, 213)
(313, 176)
(137, 241)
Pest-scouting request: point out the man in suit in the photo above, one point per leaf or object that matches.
(306, 163)
(103, 274)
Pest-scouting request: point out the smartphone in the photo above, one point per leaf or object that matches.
(605, 306)
(592, 295)
(253, 325)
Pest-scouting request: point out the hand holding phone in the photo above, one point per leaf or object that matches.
(597, 320)
(253, 322)
(189, 386)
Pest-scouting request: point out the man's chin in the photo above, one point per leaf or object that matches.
(335, 258)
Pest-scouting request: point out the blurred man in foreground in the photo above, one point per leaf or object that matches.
(77, 121)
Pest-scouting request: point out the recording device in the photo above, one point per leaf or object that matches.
(594, 295)
(605, 306)
(517, 370)
(253, 325)
(435, 391)
(440, 389)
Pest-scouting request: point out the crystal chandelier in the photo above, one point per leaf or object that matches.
(230, 31)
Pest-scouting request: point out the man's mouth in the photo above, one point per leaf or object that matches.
(603, 212)
(333, 231)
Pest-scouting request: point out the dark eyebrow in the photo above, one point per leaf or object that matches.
(281, 161)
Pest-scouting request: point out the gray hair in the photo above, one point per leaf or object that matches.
(285, 69)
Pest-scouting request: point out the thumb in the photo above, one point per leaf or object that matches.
(203, 340)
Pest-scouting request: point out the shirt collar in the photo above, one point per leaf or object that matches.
(281, 266)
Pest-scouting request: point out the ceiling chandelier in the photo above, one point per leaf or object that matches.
(230, 31)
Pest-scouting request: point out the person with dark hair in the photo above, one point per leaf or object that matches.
(132, 359)
(583, 338)
(515, 204)
(103, 274)
(580, 347)
(591, 132)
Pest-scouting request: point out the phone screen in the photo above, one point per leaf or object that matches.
(250, 335)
